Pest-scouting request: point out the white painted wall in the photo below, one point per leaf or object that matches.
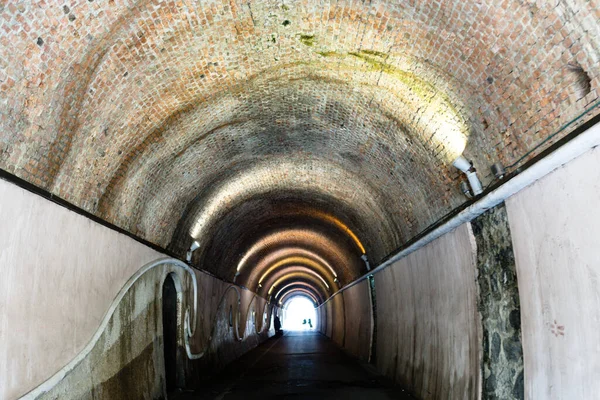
(555, 227)
(59, 273)
(428, 329)
(358, 320)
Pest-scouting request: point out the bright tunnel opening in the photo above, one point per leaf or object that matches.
(299, 314)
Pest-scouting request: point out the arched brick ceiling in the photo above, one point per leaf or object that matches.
(291, 238)
(226, 122)
(290, 256)
(299, 287)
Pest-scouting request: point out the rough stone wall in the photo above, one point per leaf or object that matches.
(499, 306)
(374, 335)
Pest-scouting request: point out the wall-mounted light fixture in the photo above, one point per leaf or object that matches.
(193, 247)
(467, 167)
(366, 260)
(466, 189)
(498, 170)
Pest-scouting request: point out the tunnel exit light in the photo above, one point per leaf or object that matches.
(298, 311)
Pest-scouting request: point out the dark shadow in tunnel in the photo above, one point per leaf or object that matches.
(240, 228)
(169, 312)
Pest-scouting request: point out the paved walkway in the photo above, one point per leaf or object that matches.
(298, 365)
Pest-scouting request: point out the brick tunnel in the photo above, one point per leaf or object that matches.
(175, 174)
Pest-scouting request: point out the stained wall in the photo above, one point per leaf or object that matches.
(428, 327)
(427, 308)
(358, 320)
(74, 302)
(60, 273)
(555, 230)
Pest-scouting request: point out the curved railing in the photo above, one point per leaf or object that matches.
(189, 332)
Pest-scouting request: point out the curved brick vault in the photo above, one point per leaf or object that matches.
(232, 122)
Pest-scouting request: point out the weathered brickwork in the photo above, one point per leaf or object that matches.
(143, 111)
(499, 307)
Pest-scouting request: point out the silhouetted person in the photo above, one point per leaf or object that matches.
(277, 325)
(310, 323)
(304, 322)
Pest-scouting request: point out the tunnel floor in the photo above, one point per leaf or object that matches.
(298, 365)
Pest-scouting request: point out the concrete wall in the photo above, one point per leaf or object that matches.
(338, 320)
(428, 329)
(347, 319)
(428, 326)
(61, 274)
(537, 271)
(359, 320)
(221, 342)
(555, 226)
(127, 361)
